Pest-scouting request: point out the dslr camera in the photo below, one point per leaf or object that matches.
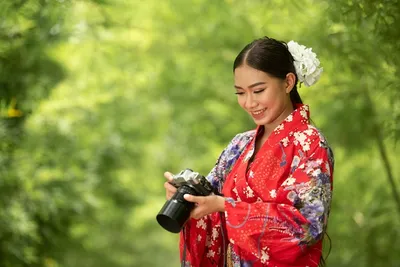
(176, 211)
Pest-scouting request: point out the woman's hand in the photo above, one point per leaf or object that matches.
(169, 188)
(205, 205)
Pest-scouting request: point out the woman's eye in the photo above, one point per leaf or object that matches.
(258, 91)
(239, 93)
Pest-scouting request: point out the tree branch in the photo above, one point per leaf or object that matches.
(383, 153)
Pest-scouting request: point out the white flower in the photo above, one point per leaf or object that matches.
(214, 233)
(264, 255)
(301, 138)
(303, 113)
(306, 63)
(309, 132)
(289, 181)
(316, 172)
(201, 224)
(210, 254)
(279, 127)
(248, 192)
(306, 146)
(285, 141)
(251, 175)
(272, 193)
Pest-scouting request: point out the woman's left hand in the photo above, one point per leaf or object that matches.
(205, 205)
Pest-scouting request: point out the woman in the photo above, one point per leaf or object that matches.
(276, 180)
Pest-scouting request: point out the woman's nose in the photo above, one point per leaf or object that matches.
(251, 103)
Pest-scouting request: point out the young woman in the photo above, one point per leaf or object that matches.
(276, 180)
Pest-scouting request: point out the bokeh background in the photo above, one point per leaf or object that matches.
(99, 97)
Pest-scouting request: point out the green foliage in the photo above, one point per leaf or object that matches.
(99, 98)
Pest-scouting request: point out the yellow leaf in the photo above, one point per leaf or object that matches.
(12, 112)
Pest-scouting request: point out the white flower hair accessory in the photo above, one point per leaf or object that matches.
(306, 63)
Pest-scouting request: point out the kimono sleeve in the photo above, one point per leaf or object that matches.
(226, 160)
(286, 230)
(198, 235)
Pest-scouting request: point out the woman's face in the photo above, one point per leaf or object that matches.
(264, 97)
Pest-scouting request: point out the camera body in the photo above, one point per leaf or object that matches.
(193, 180)
(176, 211)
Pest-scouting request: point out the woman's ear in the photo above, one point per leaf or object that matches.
(290, 82)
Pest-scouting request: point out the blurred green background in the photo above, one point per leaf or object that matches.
(99, 97)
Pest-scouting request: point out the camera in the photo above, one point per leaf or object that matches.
(176, 211)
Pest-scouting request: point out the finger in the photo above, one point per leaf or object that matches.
(169, 190)
(195, 199)
(196, 216)
(197, 213)
(169, 187)
(168, 195)
(168, 175)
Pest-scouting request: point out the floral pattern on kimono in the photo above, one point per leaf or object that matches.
(277, 201)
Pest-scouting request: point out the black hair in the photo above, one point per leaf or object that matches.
(270, 56)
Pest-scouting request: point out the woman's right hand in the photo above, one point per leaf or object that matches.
(169, 188)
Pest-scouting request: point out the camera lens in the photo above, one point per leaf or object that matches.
(176, 211)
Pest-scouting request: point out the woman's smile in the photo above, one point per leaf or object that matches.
(258, 114)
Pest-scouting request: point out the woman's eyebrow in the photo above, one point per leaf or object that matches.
(251, 86)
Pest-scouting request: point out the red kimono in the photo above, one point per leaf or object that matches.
(277, 203)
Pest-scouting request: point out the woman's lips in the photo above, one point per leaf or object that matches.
(258, 114)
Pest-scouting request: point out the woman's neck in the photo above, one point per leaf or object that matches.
(270, 127)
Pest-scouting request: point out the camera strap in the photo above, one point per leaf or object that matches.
(183, 264)
(224, 247)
